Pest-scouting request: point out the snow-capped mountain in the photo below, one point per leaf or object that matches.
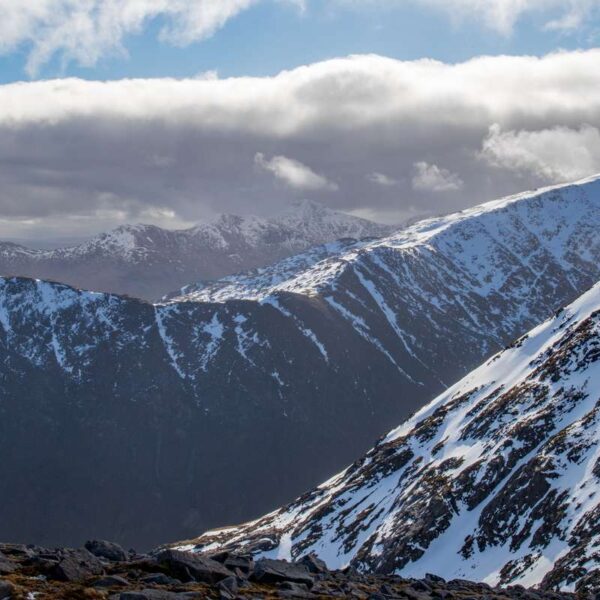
(277, 378)
(497, 479)
(148, 262)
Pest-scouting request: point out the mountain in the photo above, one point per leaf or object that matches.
(148, 262)
(154, 422)
(497, 479)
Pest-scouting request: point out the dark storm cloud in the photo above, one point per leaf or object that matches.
(380, 137)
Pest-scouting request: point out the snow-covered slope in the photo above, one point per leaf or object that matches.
(148, 262)
(497, 479)
(281, 377)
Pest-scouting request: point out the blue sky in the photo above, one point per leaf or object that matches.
(273, 36)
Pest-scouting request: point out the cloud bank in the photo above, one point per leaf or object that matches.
(81, 156)
(555, 155)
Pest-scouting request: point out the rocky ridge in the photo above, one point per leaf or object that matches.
(95, 572)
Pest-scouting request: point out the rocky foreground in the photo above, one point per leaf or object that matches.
(105, 570)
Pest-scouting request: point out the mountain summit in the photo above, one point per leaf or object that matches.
(148, 262)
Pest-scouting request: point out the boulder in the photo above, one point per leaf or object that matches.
(110, 581)
(228, 588)
(314, 564)
(269, 570)
(149, 595)
(160, 579)
(75, 565)
(7, 590)
(192, 567)
(107, 550)
(290, 589)
(6, 566)
(243, 563)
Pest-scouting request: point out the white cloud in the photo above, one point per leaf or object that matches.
(85, 30)
(431, 178)
(382, 179)
(293, 173)
(553, 155)
(502, 15)
(189, 145)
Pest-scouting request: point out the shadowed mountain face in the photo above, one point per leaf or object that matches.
(148, 262)
(496, 479)
(141, 423)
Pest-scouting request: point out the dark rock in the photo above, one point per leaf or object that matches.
(241, 562)
(16, 550)
(149, 595)
(289, 589)
(6, 565)
(387, 591)
(7, 590)
(314, 564)
(275, 571)
(108, 550)
(160, 579)
(434, 578)
(228, 588)
(75, 565)
(419, 586)
(110, 581)
(192, 567)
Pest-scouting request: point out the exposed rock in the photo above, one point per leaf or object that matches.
(107, 550)
(228, 588)
(75, 565)
(6, 566)
(130, 580)
(275, 571)
(160, 579)
(7, 590)
(313, 563)
(109, 581)
(149, 595)
(190, 567)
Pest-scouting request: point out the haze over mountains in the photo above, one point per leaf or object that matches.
(148, 262)
(153, 422)
(495, 480)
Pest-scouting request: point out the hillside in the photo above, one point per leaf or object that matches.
(497, 479)
(159, 421)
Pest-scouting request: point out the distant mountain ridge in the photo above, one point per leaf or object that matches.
(498, 478)
(166, 419)
(148, 262)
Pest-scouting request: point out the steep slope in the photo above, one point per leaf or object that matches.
(158, 421)
(497, 479)
(148, 262)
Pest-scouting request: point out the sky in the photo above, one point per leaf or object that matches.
(172, 111)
